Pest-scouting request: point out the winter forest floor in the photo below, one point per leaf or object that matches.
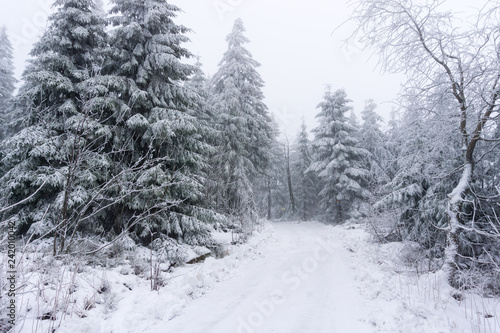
(290, 277)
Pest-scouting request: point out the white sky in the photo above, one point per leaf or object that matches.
(293, 40)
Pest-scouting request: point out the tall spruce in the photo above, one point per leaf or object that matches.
(374, 140)
(55, 157)
(204, 111)
(246, 132)
(159, 128)
(338, 160)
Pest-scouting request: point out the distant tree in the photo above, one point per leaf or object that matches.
(99, 8)
(306, 182)
(353, 120)
(272, 195)
(374, 140)
(245, 126)
(7, 79)
(338, 159)
(289, 183)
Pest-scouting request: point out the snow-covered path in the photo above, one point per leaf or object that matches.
(301, 283)
(289, 277)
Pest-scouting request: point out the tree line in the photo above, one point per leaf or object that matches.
(112, 132)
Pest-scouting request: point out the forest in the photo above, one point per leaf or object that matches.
(115, 139)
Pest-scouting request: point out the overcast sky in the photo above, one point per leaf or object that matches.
(298, 49)
(293, 40)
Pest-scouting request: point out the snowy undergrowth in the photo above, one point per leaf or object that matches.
(67, 296)
(405, 299)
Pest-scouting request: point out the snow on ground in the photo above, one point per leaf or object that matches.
(405, 300)
(290, 277)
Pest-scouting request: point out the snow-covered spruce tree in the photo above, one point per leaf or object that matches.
(159, 129)
(338, 160)
(7, 79)
(393, 144)
(55, 157)
(205, 113)
(374, 140)
(306, 182)
(246, 132)
(200, 85)
(353, 121)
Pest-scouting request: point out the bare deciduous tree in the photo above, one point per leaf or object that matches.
(459, 58)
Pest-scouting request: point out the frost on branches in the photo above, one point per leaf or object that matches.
(56, 150)
(159, 131)
(107, 136)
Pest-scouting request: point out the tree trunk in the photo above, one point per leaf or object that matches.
(304, 201)
(269, 199)
(455, 201)
(289, 178)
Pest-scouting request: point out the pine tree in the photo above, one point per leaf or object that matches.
(7, 80)
(338, 159)
(246, 133)
(306, 182)
(56, 152)
(160, 126)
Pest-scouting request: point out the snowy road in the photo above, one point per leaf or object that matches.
(288, 278)
(302, 283)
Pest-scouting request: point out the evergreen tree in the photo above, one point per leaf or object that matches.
(353, 120)
(246, 132)
(272, 195)
(55, 158)
(374, 141)
(338, 160)
(99, 8)
(393, 144)
(199, 82)
(7, 80)
(207, 123)
(159, 126)
(306, 183)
